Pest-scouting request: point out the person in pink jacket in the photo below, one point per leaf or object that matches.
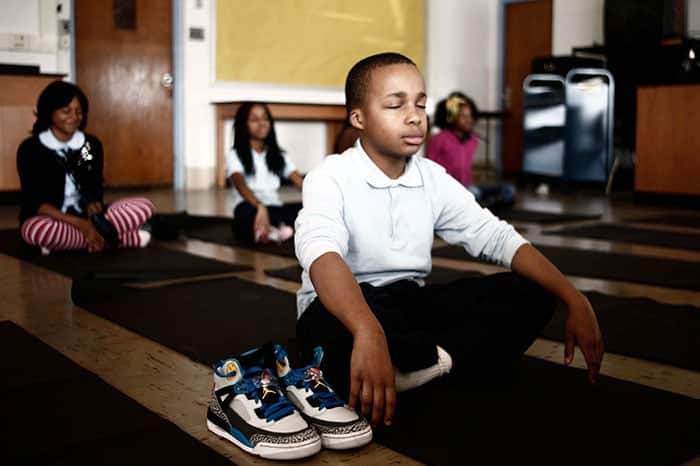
(455, 149)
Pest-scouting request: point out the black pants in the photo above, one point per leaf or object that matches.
(244, 218)
(484, 323)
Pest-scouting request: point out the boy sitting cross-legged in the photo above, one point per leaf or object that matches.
(364, 239)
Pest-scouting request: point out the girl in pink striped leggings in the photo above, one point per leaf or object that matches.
(60, 169)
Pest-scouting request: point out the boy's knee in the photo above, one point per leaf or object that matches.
(540, 302)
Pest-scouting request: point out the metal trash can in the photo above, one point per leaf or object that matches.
(589, 124)
(544, 120)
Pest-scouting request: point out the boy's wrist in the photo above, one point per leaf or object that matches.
(573, 297)
(368, 327)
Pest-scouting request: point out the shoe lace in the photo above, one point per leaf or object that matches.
(313, 380)
(278, 406)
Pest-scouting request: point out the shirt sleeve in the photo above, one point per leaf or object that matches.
(233, 163)
(289, 166)
(463, 221)
(320, 227)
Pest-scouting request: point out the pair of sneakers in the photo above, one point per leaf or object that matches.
(285, 414)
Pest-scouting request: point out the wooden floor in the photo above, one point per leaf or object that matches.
(178, 388)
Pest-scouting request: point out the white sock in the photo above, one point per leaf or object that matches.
(144, 238)
(409, 380)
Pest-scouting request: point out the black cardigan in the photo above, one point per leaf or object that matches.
(42, 175)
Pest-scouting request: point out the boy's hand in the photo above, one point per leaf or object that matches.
(372, 376)
(582, 329)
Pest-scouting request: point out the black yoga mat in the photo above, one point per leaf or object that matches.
(55, 412)
(690, 221)
(547, 415)
(212, 230)
(637, 327)
(204, 320)
(143, 264)
(628, 234)
(441, 423)
(537, 216)
(609, 266)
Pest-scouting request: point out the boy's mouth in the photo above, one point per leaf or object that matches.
(413, 140)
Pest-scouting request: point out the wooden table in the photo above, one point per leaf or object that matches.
(17, 104)
(332, 115)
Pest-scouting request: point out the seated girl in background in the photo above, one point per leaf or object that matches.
(455, 147)
(256, 165)
(60, 170)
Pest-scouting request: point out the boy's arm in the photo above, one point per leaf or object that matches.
(371, 371)
(581, 323)
(463, 221)
(321, 240)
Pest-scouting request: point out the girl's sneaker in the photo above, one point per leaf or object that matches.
(339, 425)
(249, 409)
(280, 234)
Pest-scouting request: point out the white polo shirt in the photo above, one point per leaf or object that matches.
(264, 183)
(384, 228)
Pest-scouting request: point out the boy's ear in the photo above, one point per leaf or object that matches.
(356, 119)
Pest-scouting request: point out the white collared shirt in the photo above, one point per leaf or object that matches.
(264, 183)
(71, 196)
(384, 228)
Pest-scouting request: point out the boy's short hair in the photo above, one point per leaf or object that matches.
(357, 82)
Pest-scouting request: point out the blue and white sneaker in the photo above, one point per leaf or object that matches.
(248, 409)
(339, 425)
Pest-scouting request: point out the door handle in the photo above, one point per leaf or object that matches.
(166, 80)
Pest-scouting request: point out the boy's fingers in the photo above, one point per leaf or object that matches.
(592, 357)
(569, 349)
(354, 392)
(378, 405)
(366, 399)
(593, 370)
(390, 402)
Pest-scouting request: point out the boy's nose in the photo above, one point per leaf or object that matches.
(414, 116)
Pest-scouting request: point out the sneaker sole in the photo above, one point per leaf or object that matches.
(346, 442)
(268, 451)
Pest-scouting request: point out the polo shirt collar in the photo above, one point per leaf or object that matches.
(76, 141)
(376, 178)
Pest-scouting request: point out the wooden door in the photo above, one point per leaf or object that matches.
(123, 52)
(528, 34)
